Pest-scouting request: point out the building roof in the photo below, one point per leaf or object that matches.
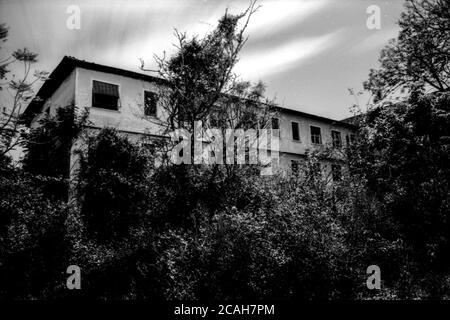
(68, 64)
(318, 118)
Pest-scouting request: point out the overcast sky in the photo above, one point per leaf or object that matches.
(308, 52)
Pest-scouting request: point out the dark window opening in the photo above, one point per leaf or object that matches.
(180, 153)
(105, 95)
(150, 102)
(336, 172)
(295, 131)
(350, 139)
(294, 166)
(337, 140)
(275, 125)
(316, 136)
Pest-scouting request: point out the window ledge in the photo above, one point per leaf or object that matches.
(104, 109)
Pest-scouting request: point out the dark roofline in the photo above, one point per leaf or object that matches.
(68, 64)
(319, 118)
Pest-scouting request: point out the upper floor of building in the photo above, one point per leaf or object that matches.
(129, 102)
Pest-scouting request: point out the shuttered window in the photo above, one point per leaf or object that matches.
(105, 95)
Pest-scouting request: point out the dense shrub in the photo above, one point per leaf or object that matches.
(33, 249)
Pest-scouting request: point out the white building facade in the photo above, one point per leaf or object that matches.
(128, 101)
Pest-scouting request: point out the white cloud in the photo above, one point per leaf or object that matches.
(377, 40)
(278, 14)
(278, 59)
(272, 16)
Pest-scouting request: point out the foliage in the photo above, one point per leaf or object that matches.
(408, 169)
(420, 57)
(48, 148)
(112, 185)
(403, 150)
(21, 90)
(32, 246)
(140, 229)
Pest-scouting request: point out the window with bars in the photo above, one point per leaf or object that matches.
(105, 95)
(150, 103)
(316, 135)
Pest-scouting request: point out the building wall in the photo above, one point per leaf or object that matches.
(287, 144)
(130, 115)
(62, 97)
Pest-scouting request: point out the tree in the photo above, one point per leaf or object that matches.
(403, 146)
(48, 148)
(21, 92)
(420, 58)
(112, 185)
(201, 84)
(201, 87)
(33, 246)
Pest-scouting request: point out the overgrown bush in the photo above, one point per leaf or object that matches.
(32, 247)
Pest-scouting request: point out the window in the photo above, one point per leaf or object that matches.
(336, 137)
(294, 166)
(275, 125)
(105, 95)
(180, 153)
(336, 172)
(316, 136)
(295, 131)
(350, 139)
(150, 101)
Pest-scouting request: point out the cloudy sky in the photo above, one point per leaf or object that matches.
(308, 52)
